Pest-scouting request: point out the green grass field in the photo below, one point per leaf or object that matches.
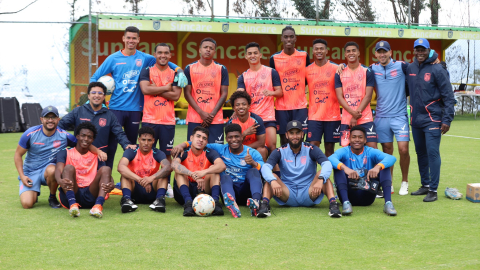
(439, 235)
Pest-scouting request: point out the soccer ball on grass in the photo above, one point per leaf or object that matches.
(203, 205)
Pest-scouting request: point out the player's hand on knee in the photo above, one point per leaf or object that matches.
(373, 173)
(148, 188)
(317, 189)
(201, 174)
(102, 156)
(108, 187)
(276, 188)
(26, 181)
(66, 184)
(351, 173)
(200, 183)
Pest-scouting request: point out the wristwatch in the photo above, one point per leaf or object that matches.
(321, 177)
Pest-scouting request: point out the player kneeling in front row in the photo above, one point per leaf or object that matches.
(84, 180)
(300, 184)
(142, 181)
(197, 170)
(359, 171)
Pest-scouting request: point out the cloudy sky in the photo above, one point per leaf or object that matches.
(33, 56)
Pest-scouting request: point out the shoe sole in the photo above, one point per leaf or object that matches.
(128, 208)
(229, 203)
(74, 212)
(96, 214)
(54, 205)
(430, 200)
(346, 214)
(188, 214)
(263, 215)
(253, 207)
(157, 208)
(334, 215)
(403, 193)
(390, 214)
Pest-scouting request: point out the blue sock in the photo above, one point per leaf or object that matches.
(100, 200)
(257, 196)
(127, 193)
(343, 194)
(71, 197)
(216, 192)
(387, 192)
(332, 199)
(265, 199)
(52, 195)
(161, 192)
(185, 191)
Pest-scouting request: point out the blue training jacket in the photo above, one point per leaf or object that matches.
(431, 94)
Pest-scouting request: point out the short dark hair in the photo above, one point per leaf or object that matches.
(208, 39)
(146, 130)
(132, 29)
(240, 94)
(162, 45)
(233, 128)
(201, 129)
(362, 129)
(86, 125)
(319, 40)
(288, 27)
(351, 43)
(96, 84)
(251, 45)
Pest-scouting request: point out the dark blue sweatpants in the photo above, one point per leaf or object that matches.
(359, 197)
(130, 121)
(251, 188)
(427, 146)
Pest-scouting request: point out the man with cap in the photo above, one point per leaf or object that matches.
(432, 105)
(300, 184)
(42, 143)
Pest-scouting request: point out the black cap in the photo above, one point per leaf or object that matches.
(294, 124)
(382, 44)
(49, 109)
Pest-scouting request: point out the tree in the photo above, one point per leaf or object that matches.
(434, 6)
(134, 4)
(197, 6)
(307, 9)
(400, 10)
(359, 10)
(258, 8)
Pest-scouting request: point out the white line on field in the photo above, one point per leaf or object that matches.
(462, 137)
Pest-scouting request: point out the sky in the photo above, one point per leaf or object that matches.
(39, 48)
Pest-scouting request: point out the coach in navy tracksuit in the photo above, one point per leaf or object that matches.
(431, 101)
(103, 119)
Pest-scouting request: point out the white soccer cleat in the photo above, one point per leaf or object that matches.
(403, 188)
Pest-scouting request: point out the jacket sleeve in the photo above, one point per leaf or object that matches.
(68, 121)
(446, 93)
(118, 132)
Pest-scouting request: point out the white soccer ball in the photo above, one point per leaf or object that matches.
(203, 205)
(108, 82)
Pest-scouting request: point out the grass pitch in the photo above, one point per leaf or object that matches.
(443, 234)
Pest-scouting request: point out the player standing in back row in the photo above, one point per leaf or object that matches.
(291, 66)
(206, 92)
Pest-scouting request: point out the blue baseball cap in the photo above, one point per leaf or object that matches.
(382, 44)
(49, 109)
(422, 42)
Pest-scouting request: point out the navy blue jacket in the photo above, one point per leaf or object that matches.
(104, 120)
(431, 94)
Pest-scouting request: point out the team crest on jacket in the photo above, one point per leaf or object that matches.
(138, 62)
(393, 73)
(57, 143)
(102, 122)
(303, 160)
(427, 77)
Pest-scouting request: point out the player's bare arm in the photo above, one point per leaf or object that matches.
(219, 105)
(102, 156)
(260, 142)
(173, 95)
(177, 150)
(278, 92)
(250, 130)
(19, 153)
(217, 167)
(365, 100)
(344, 104)
(65, 184)
(126, 172)
(152, 89)
(180, 169)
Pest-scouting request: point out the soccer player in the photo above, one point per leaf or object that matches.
(142, 181)
(241, 182)
(84, 180)
(355, 161)
(127, 99)
(103, 119)
(432, 105)
(354, 88)
(263, 84)
(253, 129)
(324, 110)
(291, 66)
(206, 92)
(197, 169)
(42, 143)
(300, 183)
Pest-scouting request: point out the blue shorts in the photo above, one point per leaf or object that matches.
(141, 196)
(130, 121)
(38, 179)
(369, 128)
(329, 129)
(283, 117)
(177, 195)
(164, 135)
(83, 197)
(215, 132)
(270, 124)
(389, 126)
(299, 197)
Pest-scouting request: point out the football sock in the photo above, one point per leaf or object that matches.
(161, 192)
(343, 194)
(185, 193)
(387, 192)
(257, 196)
(100, 200)
(71, 197)
(127, 193)
(216, 192)
(332, 199)
(265, 199)
(52, 195)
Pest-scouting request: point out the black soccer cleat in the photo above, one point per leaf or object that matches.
(127, 205)
(188, 209)
(264, 210)
(334, 210)
(431, 196)
(53, 202)
(158, 205)
(218, 211)
(423, 190)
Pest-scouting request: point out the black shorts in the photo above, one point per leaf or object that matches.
(330, 130)
(283, 117)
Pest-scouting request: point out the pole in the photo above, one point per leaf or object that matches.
(89, 39)
(228, 6)
(409, 12)
(316, 12)
(212, 9)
